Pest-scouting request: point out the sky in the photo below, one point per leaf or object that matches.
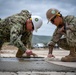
(38, 7)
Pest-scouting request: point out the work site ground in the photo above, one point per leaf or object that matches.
(55, 67)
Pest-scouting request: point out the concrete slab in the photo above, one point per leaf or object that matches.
(67, 64)
(58, 61)
(31, 64)
(59, 53)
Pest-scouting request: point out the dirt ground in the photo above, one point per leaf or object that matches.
(10, 51)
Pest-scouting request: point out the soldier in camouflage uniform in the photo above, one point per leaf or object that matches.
(17, 29)
(66, 26)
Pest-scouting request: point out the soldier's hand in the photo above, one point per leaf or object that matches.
(29, 53)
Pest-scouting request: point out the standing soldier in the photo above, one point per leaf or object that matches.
(65, 26)
(17, 29)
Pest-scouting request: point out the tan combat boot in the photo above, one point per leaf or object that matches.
(71, 57)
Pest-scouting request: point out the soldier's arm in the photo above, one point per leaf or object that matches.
(55, 38)
(15, 37)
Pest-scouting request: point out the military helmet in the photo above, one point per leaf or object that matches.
(37, 22)
(51, 13)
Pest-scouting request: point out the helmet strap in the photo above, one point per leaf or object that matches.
(30, 18)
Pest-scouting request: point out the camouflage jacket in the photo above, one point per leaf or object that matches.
(13, 29)
(70, 33)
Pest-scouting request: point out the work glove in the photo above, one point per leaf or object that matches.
(50, 56)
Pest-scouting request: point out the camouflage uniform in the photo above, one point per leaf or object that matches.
(13, 30)
(69, 39)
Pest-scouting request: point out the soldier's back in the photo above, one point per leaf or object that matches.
(71, 33)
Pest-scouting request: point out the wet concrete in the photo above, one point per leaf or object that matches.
(31, 64)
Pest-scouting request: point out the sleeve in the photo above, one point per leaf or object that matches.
(55, 38)
(15, 37)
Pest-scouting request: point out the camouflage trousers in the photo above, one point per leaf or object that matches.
(64, 44)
